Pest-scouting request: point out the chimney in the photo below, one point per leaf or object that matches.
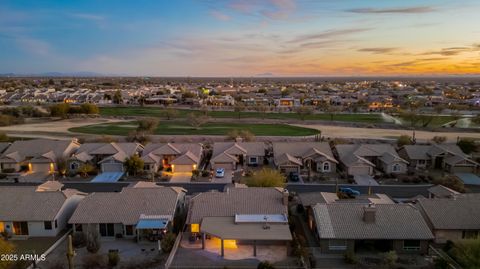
(369, 213)
(285, 197)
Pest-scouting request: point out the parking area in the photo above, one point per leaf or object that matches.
(227, 178)
(181, 177)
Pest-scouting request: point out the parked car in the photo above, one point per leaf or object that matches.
(294, 176)
(220, 172)
(349, 191)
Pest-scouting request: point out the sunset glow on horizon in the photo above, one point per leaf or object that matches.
(241, 38)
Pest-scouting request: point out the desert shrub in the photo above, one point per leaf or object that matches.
(195, 172)
(93, 241)
(167, 242)
(113, 258)
(441, 263)
(79, 240)
(389, 258)
(94, 261)
(265, 265)
(350, 257)
(205, 173)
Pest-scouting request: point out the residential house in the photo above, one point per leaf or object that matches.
(180, 157)
(241, 216)
(143, 210)
(37, 211)
(448, 157)
(343, 227)
(362, 159)
(37, 155)
(315, 156)
(231, 155)
(440, 191)
(309, 199)
(453, 218)
(110, 157)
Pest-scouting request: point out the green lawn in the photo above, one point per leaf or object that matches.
(182, 113)
(182, 128)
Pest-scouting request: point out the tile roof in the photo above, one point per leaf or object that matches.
(459, 213)
(126, 206)
(22, 203)
(19, 150)
(442, 192)
(301, 150)
(192, 151)
(353, 153)
(392, 221)
(313, 198)
(235, 148)
(236, 201)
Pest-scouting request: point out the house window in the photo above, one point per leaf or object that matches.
(421, 162)
(74, 166)
(146, 167)
(253, 159)
(20, 228)
(47, 225)
(195, 228)
(411, 245)
(56, 224)
(128, 229)
(469, 234)
(78, 227)
(326, 167)
(396, 167)
(106, 229)
(337, 244)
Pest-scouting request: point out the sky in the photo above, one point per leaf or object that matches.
(241, 38)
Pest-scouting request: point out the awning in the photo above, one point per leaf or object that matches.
(152, 224)
(225, 228)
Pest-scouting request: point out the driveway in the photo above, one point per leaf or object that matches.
(365, 180)
(181, 177)
(226, 179)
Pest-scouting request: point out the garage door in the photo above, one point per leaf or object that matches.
(112, 167)
(359, 170)
(463, 169)
(226, 166)
(182, 168)
(286, 169)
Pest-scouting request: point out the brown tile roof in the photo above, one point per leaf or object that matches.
(21, 203)
(392, 221)
(301, 149)
(461, 213)
(248, 148)
(126, 206)
(236, 201)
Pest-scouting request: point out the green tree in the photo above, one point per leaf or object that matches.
(304, 111)
(147, 125)
(467, 253)
(404, 140)
(170, 113)
(263, 109)
(59, 110)
(86, 169)
(239, 108)
(467, 145)
(134, 164)
(88, 108)
(266, 177)
(196, 121)
(117, 97)
(167, 242)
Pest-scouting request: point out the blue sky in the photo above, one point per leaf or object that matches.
(240, 38)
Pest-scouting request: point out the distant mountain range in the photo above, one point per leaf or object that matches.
(56, 74)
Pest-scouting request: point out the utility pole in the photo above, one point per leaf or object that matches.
(70, 252)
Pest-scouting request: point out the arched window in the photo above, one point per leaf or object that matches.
(326, 167)
(396, 167)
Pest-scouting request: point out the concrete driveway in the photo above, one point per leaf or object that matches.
(181, 177)
(225, 179)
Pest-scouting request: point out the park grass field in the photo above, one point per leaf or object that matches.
(182, 113)
(183, 128)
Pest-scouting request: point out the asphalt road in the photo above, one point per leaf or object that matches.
(394, 191)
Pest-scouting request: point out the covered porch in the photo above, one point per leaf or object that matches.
(151, 228)
(227, 238)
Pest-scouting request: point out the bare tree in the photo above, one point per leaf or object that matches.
(196, 121)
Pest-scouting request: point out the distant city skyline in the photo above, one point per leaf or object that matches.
(241, 38)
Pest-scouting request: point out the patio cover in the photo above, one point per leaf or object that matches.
(225, 228)
(152, 224)
(468, 178)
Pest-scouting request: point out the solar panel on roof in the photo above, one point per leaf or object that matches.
(260, 218)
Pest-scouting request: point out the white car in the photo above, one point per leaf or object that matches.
(220, 172)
